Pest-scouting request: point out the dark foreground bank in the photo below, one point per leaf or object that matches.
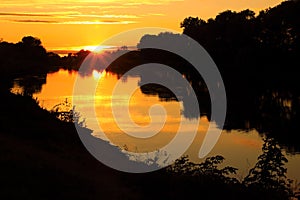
(42, 157)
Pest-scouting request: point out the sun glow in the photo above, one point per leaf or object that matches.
(97, 75)
(97, 48)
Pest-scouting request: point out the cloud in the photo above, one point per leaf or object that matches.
(106, 16)
(86, 2)
(78, 11)
(69, 15)
(73, 22)
(149, 2)
(153, 14)
(26, 14)
(61, 14)
(69, 18)
(33, 21)
(104, 5)
(100, 22)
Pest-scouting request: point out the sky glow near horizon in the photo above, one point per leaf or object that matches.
(65, 24)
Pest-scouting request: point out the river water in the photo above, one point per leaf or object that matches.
(239, 147)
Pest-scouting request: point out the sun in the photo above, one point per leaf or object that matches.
(97, 48)
(97, 75)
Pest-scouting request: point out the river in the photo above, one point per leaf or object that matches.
(239, 147)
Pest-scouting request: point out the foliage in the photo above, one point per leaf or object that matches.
(66, 113)
(269, 173)
(29, 57)
(249, 44)
(25, 57)
(208, 168)
(266, 180)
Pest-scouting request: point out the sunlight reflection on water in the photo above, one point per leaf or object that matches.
(240, 148)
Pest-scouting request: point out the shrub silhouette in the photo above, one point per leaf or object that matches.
(269, 173)
(65, 112)
(208, 168)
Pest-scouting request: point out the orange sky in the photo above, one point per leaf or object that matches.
(67, 24)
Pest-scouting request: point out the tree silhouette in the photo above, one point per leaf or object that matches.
(208, 169)
(31, 41)
(269, 173)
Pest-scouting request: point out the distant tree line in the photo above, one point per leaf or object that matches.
(257, 56)
(260, 48)
(22, 57)
(29, 57)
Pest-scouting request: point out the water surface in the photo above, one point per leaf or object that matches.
(239, 147)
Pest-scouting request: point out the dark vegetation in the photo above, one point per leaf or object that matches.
(257, 58)
(29, 57)
(42, 157)
(41, 154)
(29, 61)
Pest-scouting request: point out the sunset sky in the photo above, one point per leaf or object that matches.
(74, 24)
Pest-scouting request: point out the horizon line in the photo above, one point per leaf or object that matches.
(75, 49)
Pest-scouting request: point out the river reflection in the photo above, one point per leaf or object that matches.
(240, 146)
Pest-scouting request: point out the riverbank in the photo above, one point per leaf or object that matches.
(42, 157)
